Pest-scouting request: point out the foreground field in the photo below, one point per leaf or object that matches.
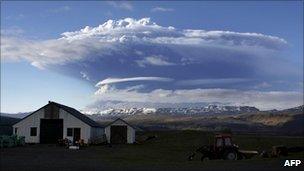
(169, 151)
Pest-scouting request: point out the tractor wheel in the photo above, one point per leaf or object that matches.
(205, 158)
(190, 158)
(230, 155)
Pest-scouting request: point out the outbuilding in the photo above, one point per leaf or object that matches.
(55, 121)
(120, 132)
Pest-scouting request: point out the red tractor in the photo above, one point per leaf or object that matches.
(222, 148)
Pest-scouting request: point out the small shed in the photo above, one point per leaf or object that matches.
(120, 132)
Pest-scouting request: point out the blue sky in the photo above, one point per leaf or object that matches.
(236, 53)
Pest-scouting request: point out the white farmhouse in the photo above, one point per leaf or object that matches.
(55, 121)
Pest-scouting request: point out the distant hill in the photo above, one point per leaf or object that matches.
(238, 119)
(16, 115)
(285, 122)
(6, 125)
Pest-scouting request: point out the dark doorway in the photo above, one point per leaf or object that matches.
(118, 134)
(51, 130)
(76, 136)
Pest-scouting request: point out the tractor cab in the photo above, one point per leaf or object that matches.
(224, 148)
(222, 140)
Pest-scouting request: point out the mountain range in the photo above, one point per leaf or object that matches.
(211, 117)
(209, 109)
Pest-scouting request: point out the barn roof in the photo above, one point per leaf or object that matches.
(72, 111)
(108, 124)
(77, 114)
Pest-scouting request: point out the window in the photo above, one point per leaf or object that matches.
(70, 132)
(74, 132)
(16, 129)
(219, 142)
(33, 131)
(228, 142)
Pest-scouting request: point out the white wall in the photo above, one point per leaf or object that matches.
(131, 135)
(70, 121)
(108, 133)
(130, 131)
(24, 126)
(97, 132)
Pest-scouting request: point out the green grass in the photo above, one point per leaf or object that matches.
(173, 147)
(168, 151)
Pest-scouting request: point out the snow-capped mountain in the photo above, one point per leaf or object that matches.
(209, 109)
(127, 111)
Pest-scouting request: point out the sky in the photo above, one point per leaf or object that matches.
(91, 55)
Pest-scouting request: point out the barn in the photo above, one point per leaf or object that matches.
(120, 132)
(56, 121)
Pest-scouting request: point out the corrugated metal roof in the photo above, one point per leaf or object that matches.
(72, 111)
(77, 114)
(119, 119)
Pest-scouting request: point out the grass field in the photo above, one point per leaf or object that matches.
(169, 151)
